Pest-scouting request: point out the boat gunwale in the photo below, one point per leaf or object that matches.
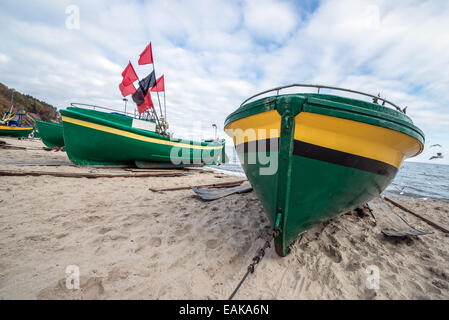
(342, 107)
(398, 121)
(46, 123)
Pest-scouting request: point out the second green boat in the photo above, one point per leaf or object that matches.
(51, 134)
(98, 138)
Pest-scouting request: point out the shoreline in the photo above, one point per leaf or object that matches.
(132, 243)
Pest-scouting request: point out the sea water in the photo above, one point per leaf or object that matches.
(414, 180)
(421, 181)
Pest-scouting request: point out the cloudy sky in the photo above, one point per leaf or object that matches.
(214, 54)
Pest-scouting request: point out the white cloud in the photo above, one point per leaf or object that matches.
(269, 19)
(214, 54)
(4, 58)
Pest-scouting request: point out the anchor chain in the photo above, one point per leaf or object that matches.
(255, 261)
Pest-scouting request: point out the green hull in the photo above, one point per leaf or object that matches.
(51, 134)
(313, 182)
(98, 138)
(317, 191)
(7, 131)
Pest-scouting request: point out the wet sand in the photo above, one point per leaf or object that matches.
(131, 243)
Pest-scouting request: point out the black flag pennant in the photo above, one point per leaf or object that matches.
(144, 85)
(138, 96)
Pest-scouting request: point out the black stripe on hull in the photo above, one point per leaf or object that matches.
(345, 159)
(263, 145)
(312, 151)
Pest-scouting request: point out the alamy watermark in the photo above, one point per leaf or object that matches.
(373, 279)
(72, 21)
(253, 146)
(372, 17)
(72, 277)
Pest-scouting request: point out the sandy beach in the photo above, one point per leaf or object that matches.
(131, 243)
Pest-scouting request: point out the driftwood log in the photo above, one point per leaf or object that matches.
(85, 175)
(429, 222)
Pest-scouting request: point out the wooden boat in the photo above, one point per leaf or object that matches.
(310, 157)
(94, 137)
(51, 134)
(10, 125)
(12, 131)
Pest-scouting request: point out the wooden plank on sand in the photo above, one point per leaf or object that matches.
(85, 175)
(213, 185)
(430, 222)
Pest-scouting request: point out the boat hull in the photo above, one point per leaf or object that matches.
(97, 138)
(19, 132)
(308, 163)
(51, 134)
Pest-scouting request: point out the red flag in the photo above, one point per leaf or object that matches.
(159, 86)
(146, 57)
(147, 103)
(127, 90)
(142, 108)
(129, 75)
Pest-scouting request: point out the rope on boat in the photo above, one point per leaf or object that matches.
(252, 266)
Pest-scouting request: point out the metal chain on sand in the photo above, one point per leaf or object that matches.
(255, 261)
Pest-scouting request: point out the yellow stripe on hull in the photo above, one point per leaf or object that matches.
(15, 128)
(362, 139)
(260, 126)
(133, 135)
(357, 138)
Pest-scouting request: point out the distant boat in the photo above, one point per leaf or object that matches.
(10, 125)
(94, 137)
(327, 154)
(51, 134)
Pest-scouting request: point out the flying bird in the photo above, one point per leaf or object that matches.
(435, 145)
(438, 156)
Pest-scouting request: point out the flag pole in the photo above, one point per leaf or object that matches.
(159, 101)
(165, 105)
(157, 118)
(155, 114)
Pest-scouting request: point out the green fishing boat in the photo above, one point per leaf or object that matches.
(94, 137)
(51, 134)
(312, 156)
(17, 132)
(10, 125)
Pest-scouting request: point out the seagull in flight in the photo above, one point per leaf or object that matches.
(435, 145)
(438, 156)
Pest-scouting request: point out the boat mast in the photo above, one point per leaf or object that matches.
(162, 124)
(12, 100)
